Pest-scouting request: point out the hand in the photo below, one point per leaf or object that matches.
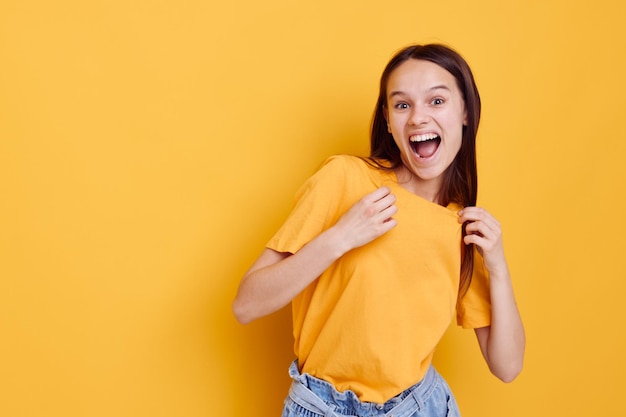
(368, 218)
(483, 230)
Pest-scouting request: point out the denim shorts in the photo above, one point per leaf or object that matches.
(313, 397)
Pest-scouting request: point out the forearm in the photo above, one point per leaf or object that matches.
(505, 344)
(277, 278)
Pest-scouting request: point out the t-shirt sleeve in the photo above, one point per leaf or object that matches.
(315, 209)
(474, 308)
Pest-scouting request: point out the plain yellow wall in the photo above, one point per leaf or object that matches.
(148, 149)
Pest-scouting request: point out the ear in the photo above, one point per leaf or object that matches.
(465, 117)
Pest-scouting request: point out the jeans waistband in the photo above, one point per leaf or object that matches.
(321, 397)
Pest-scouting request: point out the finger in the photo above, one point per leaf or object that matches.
(378, 194)
(378, 201)
(481, 229)
(388, 212)
(475, 239)
(473, 214)
(385, 202)
(382, 222)
(481, 224)
(381, 212)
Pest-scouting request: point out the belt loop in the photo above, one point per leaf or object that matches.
(330, 413)
(307, 399)
(418, 399)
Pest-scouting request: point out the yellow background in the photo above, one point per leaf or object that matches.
(149, 149)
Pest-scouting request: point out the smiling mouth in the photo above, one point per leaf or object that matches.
(425, 146)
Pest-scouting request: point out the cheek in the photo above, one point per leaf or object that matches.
(393, 125)
(457, 147)
(455, 139)
(397, 122)
(456, 126)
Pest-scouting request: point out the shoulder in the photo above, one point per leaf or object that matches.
(348, 175)
(343, 161)
(353, 164)
(335, 172)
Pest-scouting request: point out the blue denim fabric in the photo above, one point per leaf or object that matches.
(313, 397)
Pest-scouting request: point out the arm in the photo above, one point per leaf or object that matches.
(503, 343)
(276, 278)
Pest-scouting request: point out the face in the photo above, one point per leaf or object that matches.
(425, 114)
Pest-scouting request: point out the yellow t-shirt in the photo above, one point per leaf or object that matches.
(371, 321)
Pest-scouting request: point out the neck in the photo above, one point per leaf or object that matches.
(427, 189)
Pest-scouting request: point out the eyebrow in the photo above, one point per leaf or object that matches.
(436, 87)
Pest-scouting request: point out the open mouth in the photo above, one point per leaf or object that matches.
(425, 146)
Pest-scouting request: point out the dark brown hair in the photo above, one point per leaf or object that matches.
(459, 184)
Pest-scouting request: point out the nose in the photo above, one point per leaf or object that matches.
(419, 115)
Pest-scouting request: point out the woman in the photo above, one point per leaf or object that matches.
(372, 261)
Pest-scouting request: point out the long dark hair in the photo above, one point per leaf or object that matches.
(459, 184)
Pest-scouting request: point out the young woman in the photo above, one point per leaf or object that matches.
(380, 252)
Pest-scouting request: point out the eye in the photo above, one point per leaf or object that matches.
(437, 101)
(401, 106)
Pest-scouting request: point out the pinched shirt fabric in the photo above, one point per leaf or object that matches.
(370, 323)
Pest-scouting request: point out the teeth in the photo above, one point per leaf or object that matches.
(424, 137)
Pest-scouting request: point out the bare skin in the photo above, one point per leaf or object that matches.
(276, 278)
(503, 343)
(424, 102)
